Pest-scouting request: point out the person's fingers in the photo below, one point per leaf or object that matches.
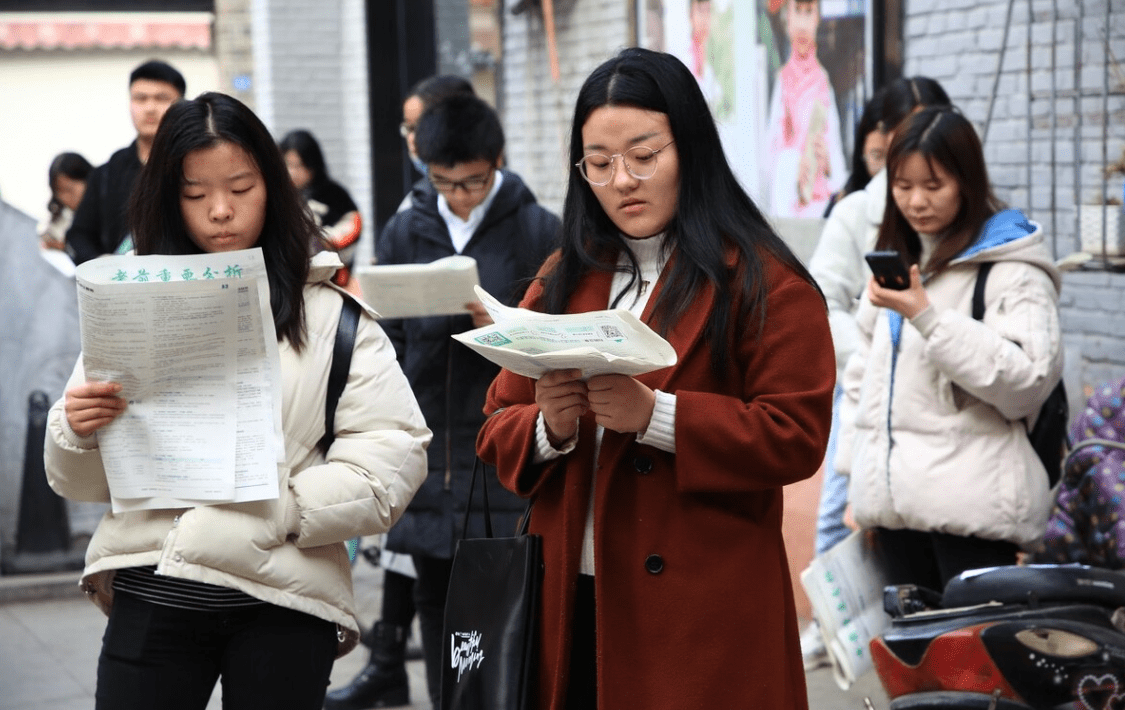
(556, 377)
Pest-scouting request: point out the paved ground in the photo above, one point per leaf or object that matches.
(50, 635)
(49, 648)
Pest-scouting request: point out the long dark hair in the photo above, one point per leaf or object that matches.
(869, 121)
(942, 136)
(305, 145)
(713, 215)
(72, 165)
(158, 224)
(887, 108)
(905, 95)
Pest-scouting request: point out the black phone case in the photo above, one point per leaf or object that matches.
(888, 269)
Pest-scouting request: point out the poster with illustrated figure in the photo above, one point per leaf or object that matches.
(785, 103)
(706, 36)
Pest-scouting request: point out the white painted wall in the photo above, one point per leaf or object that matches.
(55, 101)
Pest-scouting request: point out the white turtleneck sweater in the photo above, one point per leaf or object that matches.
(661, 430)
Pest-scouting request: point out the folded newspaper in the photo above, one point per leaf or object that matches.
(845, 588)
(441, 287)
(598, 343)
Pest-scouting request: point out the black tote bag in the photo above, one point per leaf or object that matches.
(491, 632)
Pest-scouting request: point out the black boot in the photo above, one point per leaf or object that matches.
(383, 682)
(367, 638)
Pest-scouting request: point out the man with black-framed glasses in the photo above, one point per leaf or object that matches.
(480, 210)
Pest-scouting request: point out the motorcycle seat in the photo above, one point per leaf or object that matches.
(1034, 584)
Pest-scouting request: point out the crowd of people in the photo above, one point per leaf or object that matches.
(659, 496)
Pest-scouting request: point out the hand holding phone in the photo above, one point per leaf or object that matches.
(889, 269)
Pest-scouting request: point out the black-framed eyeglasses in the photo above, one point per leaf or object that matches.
(405, 129)
(639, 161)
(472, 184)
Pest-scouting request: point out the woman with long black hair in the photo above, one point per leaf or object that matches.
(257, 593)
(659, 497)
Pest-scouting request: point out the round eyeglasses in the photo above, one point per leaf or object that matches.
(405, 129)
(639, 161)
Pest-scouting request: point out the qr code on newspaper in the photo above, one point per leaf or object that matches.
(612, 331)
(494, 339)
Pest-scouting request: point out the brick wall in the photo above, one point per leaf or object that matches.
(310, 71)
(1093, 322)
(537, 111)
(1057, 118)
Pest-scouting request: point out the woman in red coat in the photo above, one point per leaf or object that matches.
(659, 497)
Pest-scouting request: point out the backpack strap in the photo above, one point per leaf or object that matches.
(338, 373)
(978, 290)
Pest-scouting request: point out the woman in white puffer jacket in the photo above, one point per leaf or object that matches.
(936, 403)
(258, 593)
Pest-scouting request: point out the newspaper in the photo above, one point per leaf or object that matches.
(598, 343)
(845, 588)
(441, 287)
(191, 340)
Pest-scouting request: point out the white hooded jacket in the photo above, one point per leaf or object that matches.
(288, 551)
(838, 266)
(934, 437)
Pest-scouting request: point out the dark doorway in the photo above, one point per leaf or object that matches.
(401, 51)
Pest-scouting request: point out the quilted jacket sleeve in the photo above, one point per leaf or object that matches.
(376, 462)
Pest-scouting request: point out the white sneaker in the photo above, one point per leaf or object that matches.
(813, 650)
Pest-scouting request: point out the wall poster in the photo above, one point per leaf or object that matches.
(785, 103)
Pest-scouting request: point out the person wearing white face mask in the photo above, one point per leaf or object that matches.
(383, 682)
(934, 431)
(475, 208)
(422, 96)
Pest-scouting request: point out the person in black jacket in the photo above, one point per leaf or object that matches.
(384, 682)
(99, 222)
(332, 207)
(479, 210)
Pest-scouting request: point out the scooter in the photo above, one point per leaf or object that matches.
(1033, 637)
(1028, 637)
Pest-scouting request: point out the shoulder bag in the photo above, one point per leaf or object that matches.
(491, 635)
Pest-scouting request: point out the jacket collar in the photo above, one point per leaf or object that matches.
(513, 193)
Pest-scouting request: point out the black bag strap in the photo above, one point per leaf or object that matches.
(338, 372)
(978, 290)
(524, 521)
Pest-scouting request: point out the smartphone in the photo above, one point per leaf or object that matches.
(889, 269)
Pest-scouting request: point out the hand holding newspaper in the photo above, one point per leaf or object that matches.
(598, 343)
(191, 341)
(441, 287)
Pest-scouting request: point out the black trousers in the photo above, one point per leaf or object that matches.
(930, 559)
(582, 689)
(398, 599)
(156, 656)
(430, 590)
